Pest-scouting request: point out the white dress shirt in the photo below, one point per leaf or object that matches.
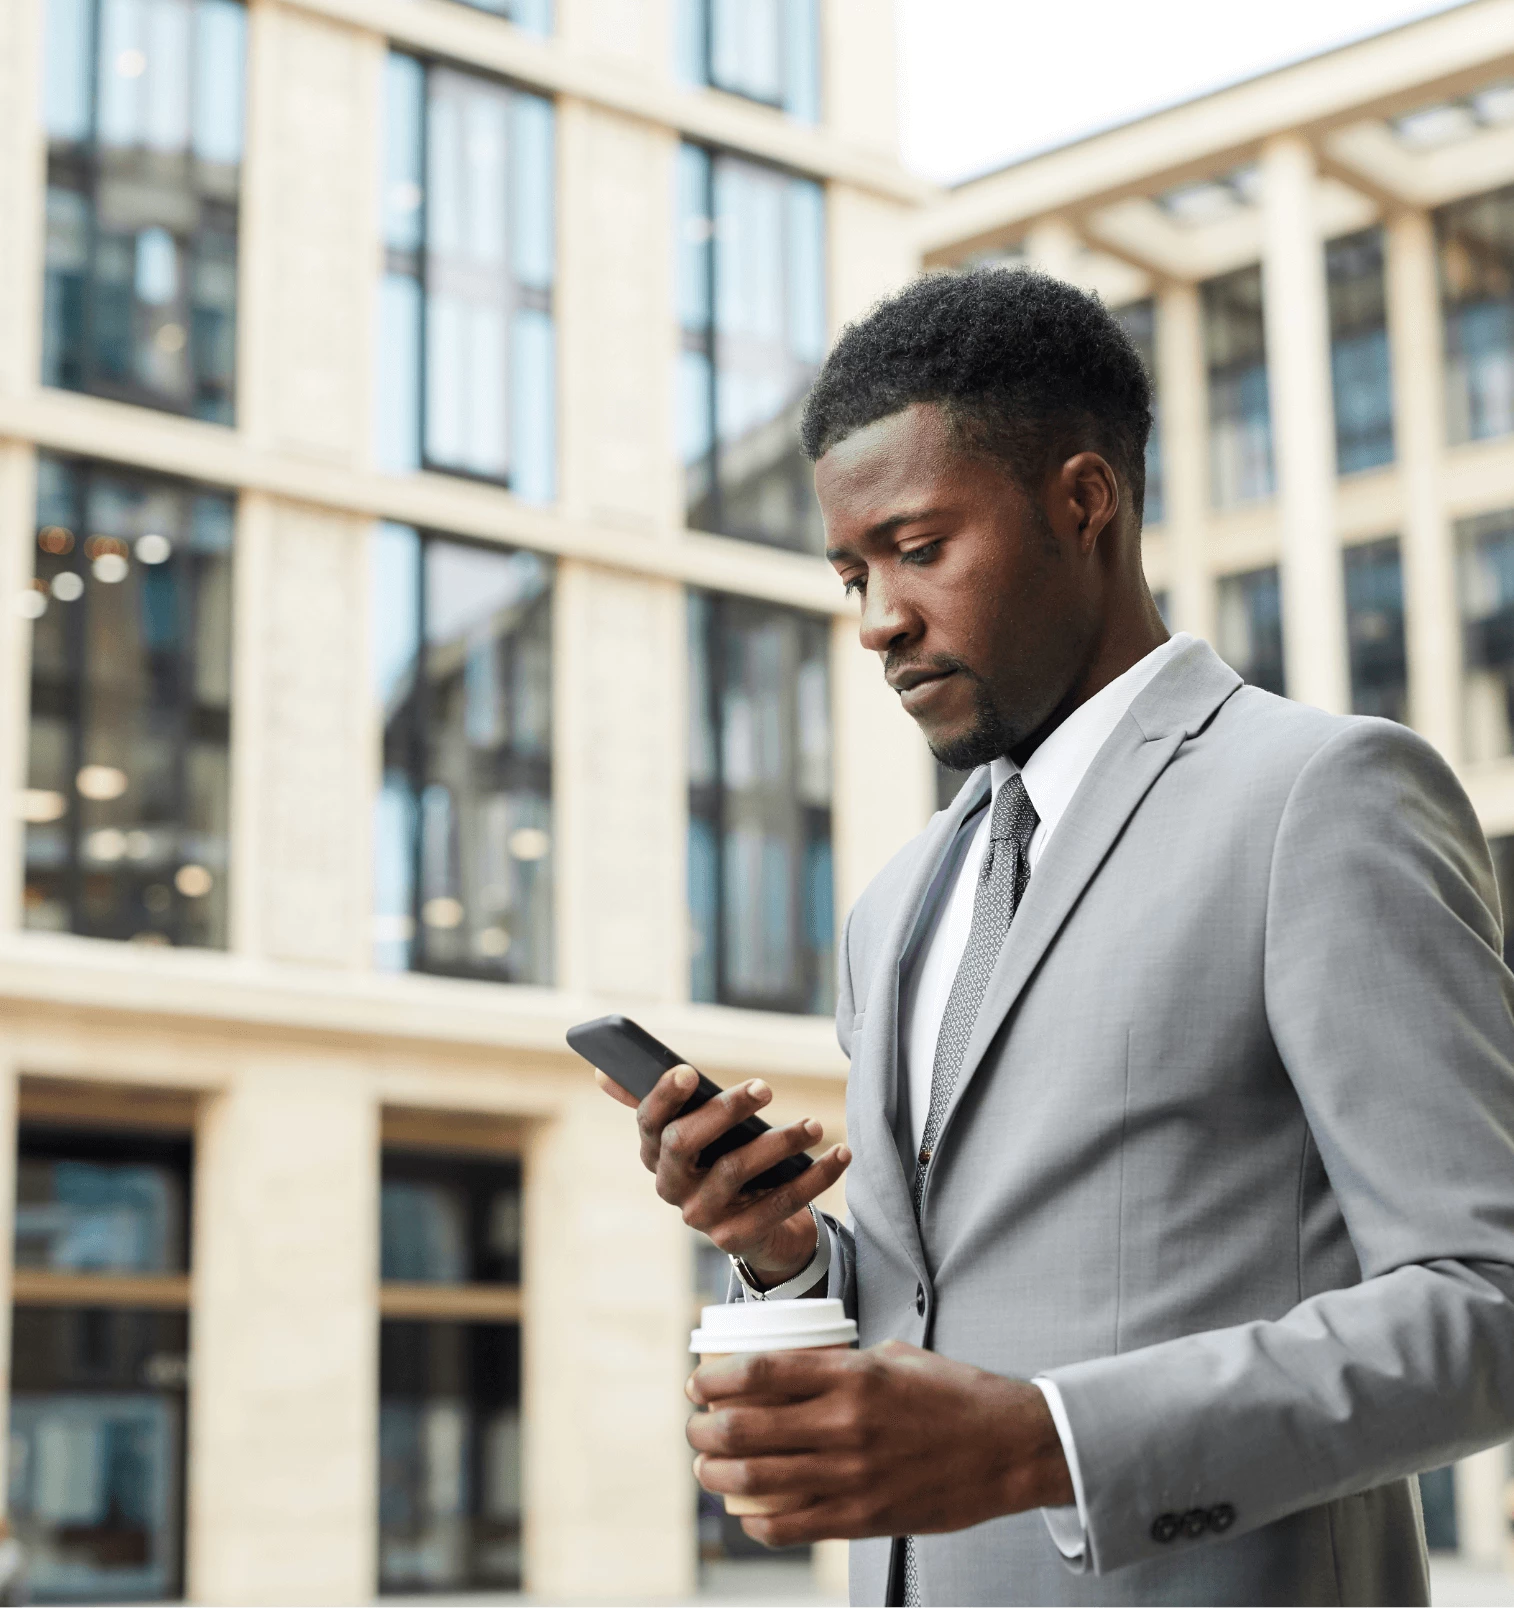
(1052, 775)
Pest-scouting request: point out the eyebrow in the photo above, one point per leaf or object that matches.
(886, 527)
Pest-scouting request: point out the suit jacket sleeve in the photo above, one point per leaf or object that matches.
(1393, 1015)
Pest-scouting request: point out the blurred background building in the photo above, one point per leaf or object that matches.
(412, 585)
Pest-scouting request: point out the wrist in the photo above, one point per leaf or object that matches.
(1031, 1466)
(783, 1259)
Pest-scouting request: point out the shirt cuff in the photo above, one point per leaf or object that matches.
(816, 1269)
(1068, 1525)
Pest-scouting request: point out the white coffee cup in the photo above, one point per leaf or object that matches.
(744, 1327)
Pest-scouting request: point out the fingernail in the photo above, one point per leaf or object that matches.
(757, 1089)
(843, 1155)
(698, 1464)
(813, 1128)
(685, 1079)
(688, 1390)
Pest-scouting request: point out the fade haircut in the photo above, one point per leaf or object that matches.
(1027, 370)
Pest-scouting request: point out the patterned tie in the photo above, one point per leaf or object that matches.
(1001, 886)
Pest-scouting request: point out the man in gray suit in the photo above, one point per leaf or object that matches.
(1182, 1053)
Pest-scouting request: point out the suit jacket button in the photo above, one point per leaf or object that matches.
(1165, 1528)
(1195, 1522)
(920, 1299)
(1221, 1517)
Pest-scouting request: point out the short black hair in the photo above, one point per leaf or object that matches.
(1028, 370)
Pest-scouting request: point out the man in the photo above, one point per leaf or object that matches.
(1182, 1080)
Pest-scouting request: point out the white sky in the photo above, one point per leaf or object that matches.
(985, 81)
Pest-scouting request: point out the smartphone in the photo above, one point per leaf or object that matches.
(626, 1053)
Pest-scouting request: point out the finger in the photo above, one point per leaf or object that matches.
(668, 1097)
(725, 1183)
(748, 1224)
(836, 1519)
(684, 1141)
(808, 1477)
(614, 1090)
(800, 1425)
(795, 1374)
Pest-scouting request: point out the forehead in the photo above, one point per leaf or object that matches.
(895, 460)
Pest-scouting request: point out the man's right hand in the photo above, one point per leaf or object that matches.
(773, 1232)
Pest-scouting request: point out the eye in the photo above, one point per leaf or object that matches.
(855, 586)
(920, 555)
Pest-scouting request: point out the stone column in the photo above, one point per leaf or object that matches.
(23, 162)
(1182, 380)
(1303, 427)
(1419, 426)
(283, 1413)
(9, 1077)
(1482, 1514)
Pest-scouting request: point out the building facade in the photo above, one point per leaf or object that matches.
(415, 643)
(1319, 267)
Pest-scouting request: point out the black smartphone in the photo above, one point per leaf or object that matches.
(626, 1053)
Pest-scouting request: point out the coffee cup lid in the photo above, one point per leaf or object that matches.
(772, 1326)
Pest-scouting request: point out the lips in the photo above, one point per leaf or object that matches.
(907, 680)
(920, 687)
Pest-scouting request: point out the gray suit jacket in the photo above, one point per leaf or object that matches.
(1231, 1156)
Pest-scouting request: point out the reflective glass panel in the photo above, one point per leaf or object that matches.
(1139, 321)
(96, 1467)
(101, 1203)
(1477, 292)
(1361, 379)
(463, 829)
(1485, 553)
(751, 252)
(450, 1219)
(760, 873)
(144, 106)
(762, 50)
(534, 16)
(467, 379)
(1375, 630)
(1250, 627)
(1240, 416)
(127, 798)
(449, 1456)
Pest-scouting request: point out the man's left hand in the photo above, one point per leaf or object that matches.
(888, 1441)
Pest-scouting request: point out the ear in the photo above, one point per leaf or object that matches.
(1091, 490)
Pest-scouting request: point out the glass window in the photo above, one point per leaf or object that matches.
(761, 887)
(533, 16)
(763, 50)
(751, 292)
(143, 104)
(449, 1456)
(450, 1220)
(1485, 552)
(463, 832)
(1437, 1496)
(1250, 627)
(127, 802)
(1375, 630)
(88, 1203)
(1139, 321)
(1477, 293)
(1361, 379)
(1163, 601)
(1240, 416)
(467, 367)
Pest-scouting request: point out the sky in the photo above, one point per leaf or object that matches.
(985, 81)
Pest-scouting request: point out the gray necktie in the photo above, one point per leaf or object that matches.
(1001, 885)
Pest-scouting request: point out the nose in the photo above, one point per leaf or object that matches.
(887, 622)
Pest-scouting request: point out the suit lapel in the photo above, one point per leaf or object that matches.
(1176, 704)
(875, 1062)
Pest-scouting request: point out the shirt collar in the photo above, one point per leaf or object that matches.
(1053, 773)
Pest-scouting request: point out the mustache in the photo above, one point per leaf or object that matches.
(895, 664)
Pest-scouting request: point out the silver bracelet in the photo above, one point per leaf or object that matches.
(753, 1285)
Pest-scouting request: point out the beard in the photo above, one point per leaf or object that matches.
(988, 737)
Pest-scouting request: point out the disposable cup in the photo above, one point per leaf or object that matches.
(744, 1327)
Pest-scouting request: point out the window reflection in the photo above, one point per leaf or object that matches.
(449, 1456)
(751, 293)
(450, 1220)
(1360, 375)
(760, 872)
(127, 791)
(143, 103)
(1139, 321)
(1240, 417)
(763, 50)
(1375, 630)
(1477, 291)
(532, 16)
(467, 370)
(463, 824)
(1250, 627)
(1485, 548)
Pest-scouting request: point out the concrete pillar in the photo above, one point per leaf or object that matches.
(1303, 427)
(1482, 1513)
(9, 1075)
(283, 1411)
(18, 498)
(23, 166)
(1183, 382)
(609, 1485)
(1056, 248)
(1419, 425)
